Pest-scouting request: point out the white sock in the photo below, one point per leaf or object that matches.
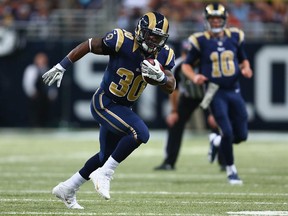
(231, 169)
(217, 140)
(75, 181)
(110, 164)
(212, 136)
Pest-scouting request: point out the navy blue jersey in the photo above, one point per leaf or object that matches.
(122, 80)
(219, 57)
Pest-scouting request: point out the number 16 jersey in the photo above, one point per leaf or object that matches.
(219, 57)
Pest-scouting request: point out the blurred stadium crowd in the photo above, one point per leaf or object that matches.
(264, 19)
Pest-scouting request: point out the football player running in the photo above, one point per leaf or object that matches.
(222, 61)
(121, 130)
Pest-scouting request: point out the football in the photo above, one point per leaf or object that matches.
(149, 80)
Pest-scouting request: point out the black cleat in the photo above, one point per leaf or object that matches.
(234, 179)
(164, 167)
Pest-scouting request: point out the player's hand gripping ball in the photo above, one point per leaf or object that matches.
(152, 71)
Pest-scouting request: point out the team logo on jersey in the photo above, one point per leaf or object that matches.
(109, 36)
(220, 49)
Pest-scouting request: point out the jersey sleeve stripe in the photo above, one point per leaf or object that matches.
(240, 33)
(194, 41)
(120, 39)
(228, 32)
(207, 35)
(241, 36)
(170, 57)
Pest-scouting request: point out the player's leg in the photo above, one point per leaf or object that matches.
(185, 108)
(122, 121)
(108, 142)
(221, 161)
(99, 174)
(219, 109)
(66, 191)
(215, 140)
(239, 119)
(221, 112)
(214, 137)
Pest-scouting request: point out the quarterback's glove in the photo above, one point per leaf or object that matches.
(152, 71)
(54, 74)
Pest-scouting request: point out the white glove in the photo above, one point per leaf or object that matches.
(54, 74)
(152, 71)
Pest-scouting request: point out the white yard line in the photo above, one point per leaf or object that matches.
(258, 213)
(190, 202)
(158, 193)
(90, 213)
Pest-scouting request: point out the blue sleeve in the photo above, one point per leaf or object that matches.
(171, 63)
(239, 35)
(167, 58)
(241, 55)
(192, 56)
(111, 39)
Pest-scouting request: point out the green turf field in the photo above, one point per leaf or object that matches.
(32, 163)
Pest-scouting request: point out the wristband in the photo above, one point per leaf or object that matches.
(66, 62)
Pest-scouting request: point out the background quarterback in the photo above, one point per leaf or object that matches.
(222, 61)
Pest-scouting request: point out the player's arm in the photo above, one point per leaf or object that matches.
(173, 99)
(192, 55)
(196, 78)
(170, 83)
(246, 69)
(242, 57)
(94, 45)
(173, 117)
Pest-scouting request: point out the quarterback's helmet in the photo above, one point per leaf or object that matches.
(215, 10)
(152, 32)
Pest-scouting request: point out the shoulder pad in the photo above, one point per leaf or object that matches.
(115, 39)
(170, 57)
(167, 56)
(238, 32)
(194, 39)
(120, 39)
